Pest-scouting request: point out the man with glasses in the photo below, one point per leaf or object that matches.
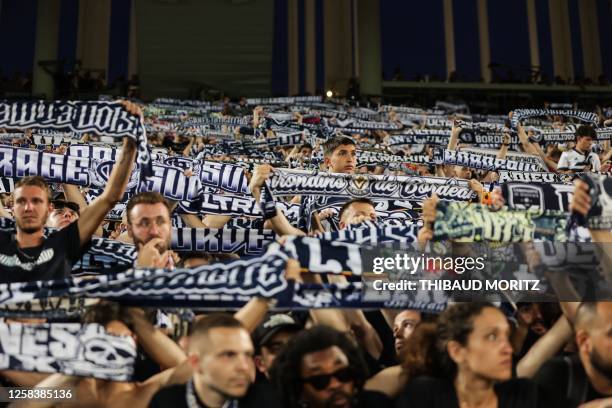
(322, 368)
(149, 225)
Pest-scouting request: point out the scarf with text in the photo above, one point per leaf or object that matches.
(421, 136)
(67, 348)
(479, 162)
(109, 119)
(223, 240)
(369, 233)
(533, 177)
(207, 286)
(168, 180)
(288, 100)
(564, 137)
(292, 182)
(521, 114)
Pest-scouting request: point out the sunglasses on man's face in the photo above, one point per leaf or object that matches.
(321, 382)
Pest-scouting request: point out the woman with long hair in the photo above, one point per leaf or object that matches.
(465, 362)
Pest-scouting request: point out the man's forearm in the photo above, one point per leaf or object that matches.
(503, 152)
(94, 214)
(280, 224)
(253, 313)
(121, 173)
(156, 344)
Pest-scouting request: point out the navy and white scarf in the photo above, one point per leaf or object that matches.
(520, 114)
(540, 198)
(103, 118)
(182, 102)
(231, 284)
(288, 100)
(225, 240)
(564, 137)
(292, 182)
(67, 348)
(533, 177)
(368, 233)
(479, 161)
(421, 136)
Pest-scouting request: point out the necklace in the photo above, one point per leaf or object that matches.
(28, 258)
(192, 399)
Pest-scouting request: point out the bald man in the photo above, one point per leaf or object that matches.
(587, 375)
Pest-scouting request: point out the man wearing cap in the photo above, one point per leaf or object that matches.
(270, 337)
(63, 214)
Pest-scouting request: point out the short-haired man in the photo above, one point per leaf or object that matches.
(340, 155)
(150, 227)
(580, 158)
(321, 368)
(356, 211)
(28, 253)
(586, 376)
(221, 358)
(306, 150)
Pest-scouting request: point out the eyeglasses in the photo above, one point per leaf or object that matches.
(321, 382)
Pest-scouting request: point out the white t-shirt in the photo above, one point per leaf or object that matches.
(574, 160)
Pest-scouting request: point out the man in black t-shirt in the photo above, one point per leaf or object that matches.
(322, 368)
(588, 375)
(30, 252)
(221, 358)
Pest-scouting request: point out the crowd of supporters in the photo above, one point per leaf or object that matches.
(470, 354)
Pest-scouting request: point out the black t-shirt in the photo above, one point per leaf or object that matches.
(430, 392)
(51, 260)
(259, 395)
(555, 376)
(372, 399)
(176, 397)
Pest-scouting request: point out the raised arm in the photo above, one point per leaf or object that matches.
(581, 204)
(93, 215)
(73, 194)
(253, 313)
(454, 137)
(503, 149)
(155, 343)
(445, 170)
(545, 348)
(534, 148)
(279, 222)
